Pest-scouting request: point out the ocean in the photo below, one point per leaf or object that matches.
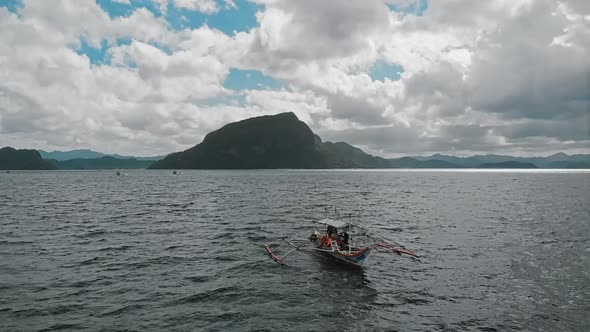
(153, 251)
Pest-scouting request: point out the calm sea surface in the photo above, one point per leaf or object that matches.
(151, 251)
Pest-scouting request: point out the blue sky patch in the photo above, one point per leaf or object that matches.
(228, 20)
(417, 8)
(250, 80)
(99, 55)
(382, 70)
(115, 9)
(12, 5)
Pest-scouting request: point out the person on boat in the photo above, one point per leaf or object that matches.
(330, 236)
(329, 242)
(326, 241)
(343, 240)
(331, 230)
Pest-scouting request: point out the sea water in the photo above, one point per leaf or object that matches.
(153, 251)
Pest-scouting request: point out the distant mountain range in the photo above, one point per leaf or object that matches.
(106, 162)
(282, 141)
(558, 160)
(87, 154)
(277, 141)
(12, 159)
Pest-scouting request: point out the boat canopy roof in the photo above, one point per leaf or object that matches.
(333, 222)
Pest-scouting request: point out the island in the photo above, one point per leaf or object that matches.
(271, 141)
(23, 159)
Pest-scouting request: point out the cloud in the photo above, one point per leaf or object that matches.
(313, 30)
(205, 6)
(497, 76)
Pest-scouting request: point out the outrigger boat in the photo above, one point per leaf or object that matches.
(341, 240)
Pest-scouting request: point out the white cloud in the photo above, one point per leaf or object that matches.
(498, 76)
(205, 6)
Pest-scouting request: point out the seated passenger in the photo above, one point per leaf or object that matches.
(324, 240)
(331, 230)
(343, 241)
(345, 238)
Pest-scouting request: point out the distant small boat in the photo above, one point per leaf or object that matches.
(174, 172)
(118, 173)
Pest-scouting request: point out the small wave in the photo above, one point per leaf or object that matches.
(121, 310)
(257, 238)
(83, 283)
(416, 301)
(245, 266)
(141, 213)
(223, 235)
(117, 248)
(91, 234)
(89, 261)
(33, 312)
(121, 216)
(394, 229)
(199, 278)
(161, 260)
(61, 326)
(226, 258)
(486, 329)
(28, 312)
(65, 308)
(448, 248)
(218, 293)
(17, 242)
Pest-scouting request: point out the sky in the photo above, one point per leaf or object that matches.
(393, 77)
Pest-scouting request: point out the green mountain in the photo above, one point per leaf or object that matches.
(277, 141)
(567, 164)
(11, 158)
(344, 155)
(103, 163)
(508, 164)
(558, 160)
(409, 162)
(458, 161)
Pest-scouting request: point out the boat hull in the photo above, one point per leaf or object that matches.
(356, 259)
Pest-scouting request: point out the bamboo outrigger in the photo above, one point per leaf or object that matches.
(341, 240)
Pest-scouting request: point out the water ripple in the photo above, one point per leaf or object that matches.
(88, 251)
